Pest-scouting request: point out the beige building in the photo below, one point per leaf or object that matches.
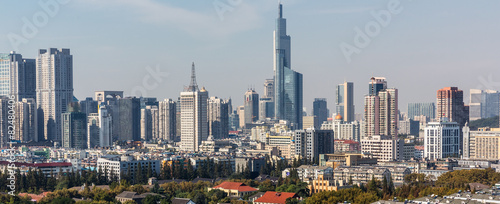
(345, 159)
(481, 144)
(321, 184)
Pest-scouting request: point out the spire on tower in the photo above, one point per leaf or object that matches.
(281, 10)
(192, 86)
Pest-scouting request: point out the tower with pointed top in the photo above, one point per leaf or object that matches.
(194, 118)
(287, 82)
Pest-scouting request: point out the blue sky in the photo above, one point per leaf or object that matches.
(426, 46)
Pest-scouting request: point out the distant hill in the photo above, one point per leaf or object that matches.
(486, 122)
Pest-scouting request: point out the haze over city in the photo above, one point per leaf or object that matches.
(427, 46)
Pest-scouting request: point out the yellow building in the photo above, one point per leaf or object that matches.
(321, 184)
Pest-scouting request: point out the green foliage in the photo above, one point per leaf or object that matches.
(461, 178)
(485, 122)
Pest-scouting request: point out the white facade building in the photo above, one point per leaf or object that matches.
(382, 147)
(194, 118)
(54, 88)
(441, 140)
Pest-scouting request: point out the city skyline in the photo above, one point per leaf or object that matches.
(318, 72)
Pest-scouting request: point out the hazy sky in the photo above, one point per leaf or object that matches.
(426, 45)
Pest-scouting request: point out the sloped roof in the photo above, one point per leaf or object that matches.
(275, 197)
(241, 187)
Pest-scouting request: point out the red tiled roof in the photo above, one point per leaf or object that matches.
(241, 187)
(275, 197)
(419, 147)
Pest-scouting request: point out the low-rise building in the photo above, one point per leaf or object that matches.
(383, 147)
(307, 173)
(234, 189)
(346, 159)
(118, 166)
(360, 174)
(321, 184)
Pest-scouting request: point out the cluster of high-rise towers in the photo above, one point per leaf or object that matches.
(46, 109)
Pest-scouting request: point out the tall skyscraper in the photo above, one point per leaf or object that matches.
(93, 130)
(26, 120)
(269, 88)
(89, 106)
(126, 114)
(99, 128)
(287, 82)
(4, 109)
(345, 101)
(218, 118)
(105, 96)
(194, 119)
(320, 110)
(418, 109)
(266, 108)
(310, 143)
(251, 103)
(74, 128)
(450, 104)
(54, 88)
(483, 104)
(167, 119)
(381, 109)
(149, 123)
(18, 76)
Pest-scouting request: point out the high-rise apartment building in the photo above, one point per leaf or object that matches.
(251, 103)
(310, 143)
(218, 118)
(100, 128)
(18, 76)
(26, 121)
(269, 88)
(345, 101)
(167, 119)
(105, 96)
(149, 123)
(4, 109)
(442, 140)
(320, 110)
(194, 118)
(89, 106)
(425, 109)
(74, 128)
(483, 104)
(126, 114)
(266, 108)
(450, 104)
(54, 89)
(343, 130)
(381, 109)
(287, 82)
